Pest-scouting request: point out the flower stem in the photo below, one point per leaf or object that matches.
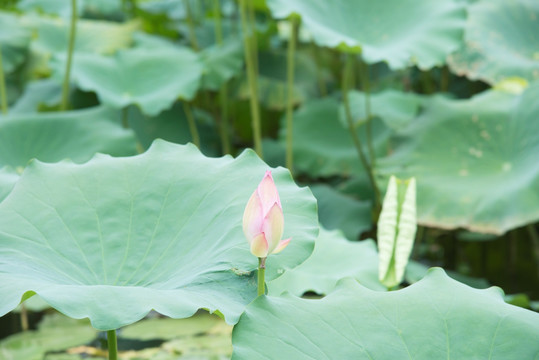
(3, 92)
(319, 70)
(112, 344)
(251, 78)
(192, 125)
(261, 276)
(24, 317)
(535, 243)
(290, 92)
(71, 45)
(364, 76)
(223, 91)
(125, 118)
(347, 75)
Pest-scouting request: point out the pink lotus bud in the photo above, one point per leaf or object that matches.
(263, 220)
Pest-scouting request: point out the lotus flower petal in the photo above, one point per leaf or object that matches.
(253, 217)
(273, 226)
(281, 246)
(263, 219)
(268, 193)
(259, 246)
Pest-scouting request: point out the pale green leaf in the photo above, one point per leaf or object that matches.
(473, 160)
(333, 258)
(54, 136)
(400, 32)
(162, 76)
(114, 238)
(436, 318)
(501, 41)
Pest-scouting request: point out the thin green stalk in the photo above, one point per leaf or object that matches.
(218, 22)
(251, 77)
(191, 25)
(261, 276)
(224, 128)
(71, 45)
(290, 92)
(252, 26)
(364, 75)
(426, 82)
(192, 125)
(223, 91)
(125, 118)
(319, 73)
(3, 92)
(444, 81)
(24, 317)
(535, 243)
(112, 344)
(347, 74)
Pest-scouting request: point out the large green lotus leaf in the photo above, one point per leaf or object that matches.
(54, 136)
(396, 108)
(14, 40)
(93, 36)
(474, 160)
(8, 178)
(175, 10)
(339, 211)
(323, 146)
(272, 80)
(501, 41)
(333, 258)
(221, 63)
(63, 8)
(56, 332)
(113, 238)
(162, 76)
(436, 318)
(400, 32)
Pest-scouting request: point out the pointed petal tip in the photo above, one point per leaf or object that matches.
(281, 246)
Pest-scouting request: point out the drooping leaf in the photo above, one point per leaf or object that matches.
(46, 92)
(113, 238)
(14, 40)
(400, 32)
(501, 41)
(323, 147)
(436, 318)
(339, 211)
(162, 76)
(396, 230)
(395, 108)
(333, 258)
(473, 160)
(51, 137)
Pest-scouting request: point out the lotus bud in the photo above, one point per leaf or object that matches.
(263, 220)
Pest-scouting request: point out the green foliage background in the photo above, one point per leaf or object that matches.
(445, 91)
